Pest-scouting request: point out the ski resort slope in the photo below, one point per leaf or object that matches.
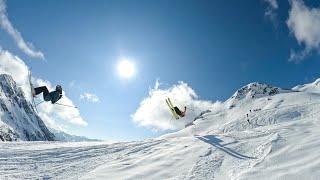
(280, 141)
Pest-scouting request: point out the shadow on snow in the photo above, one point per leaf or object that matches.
(212, 140)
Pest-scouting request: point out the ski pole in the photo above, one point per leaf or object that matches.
(66, 105)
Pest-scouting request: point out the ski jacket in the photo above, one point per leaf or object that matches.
(55, 96)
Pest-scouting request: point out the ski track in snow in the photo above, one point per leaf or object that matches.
(123, 160)
(280, 142)
(59, 160)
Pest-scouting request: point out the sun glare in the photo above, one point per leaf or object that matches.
(126, 68)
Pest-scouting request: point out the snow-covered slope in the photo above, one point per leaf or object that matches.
(273, 135)
(311, 87)
(18, 120)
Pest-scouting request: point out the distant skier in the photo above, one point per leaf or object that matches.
(53, 96)
(179, 112)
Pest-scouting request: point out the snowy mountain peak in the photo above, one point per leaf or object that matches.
(6, 77)
(18, 119)
(9, 86)
(65, 137)
(254, 90)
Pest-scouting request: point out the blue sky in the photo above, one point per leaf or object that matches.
(214, 46)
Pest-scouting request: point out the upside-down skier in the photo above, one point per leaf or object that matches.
(176, 112)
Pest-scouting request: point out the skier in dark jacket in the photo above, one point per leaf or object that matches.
(53, 96)
(179, 112)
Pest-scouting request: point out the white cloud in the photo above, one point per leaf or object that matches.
(15, 34)
(154, 113)
(90, 97)
(69, 114)
(50, 122)
(304, 24)
(273, 3)
(271, 10)
(14, 66)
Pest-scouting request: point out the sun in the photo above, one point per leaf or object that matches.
(126, 68)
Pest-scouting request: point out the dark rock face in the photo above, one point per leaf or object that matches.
(18, 119)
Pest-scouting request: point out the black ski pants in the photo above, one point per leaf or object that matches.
(42, 89)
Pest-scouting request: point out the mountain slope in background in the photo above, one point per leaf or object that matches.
(18, 120)
(65, 137)
(263, 132)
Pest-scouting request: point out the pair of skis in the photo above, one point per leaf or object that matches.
(171, 107)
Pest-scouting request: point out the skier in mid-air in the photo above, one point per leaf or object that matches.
(176, 112)
(52, 96)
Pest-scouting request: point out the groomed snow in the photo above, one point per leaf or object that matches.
(280, 142)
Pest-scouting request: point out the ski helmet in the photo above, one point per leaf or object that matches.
(58, 88)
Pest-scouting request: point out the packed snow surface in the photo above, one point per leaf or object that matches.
(273, 135)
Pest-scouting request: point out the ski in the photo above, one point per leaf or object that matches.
(175, 115)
